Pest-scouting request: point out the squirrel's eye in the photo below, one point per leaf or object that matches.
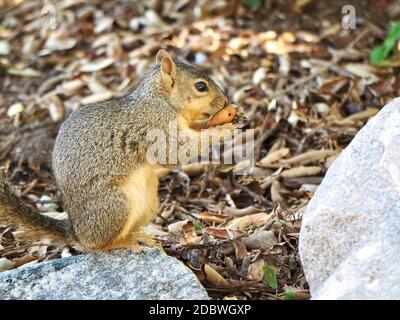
(201, 86)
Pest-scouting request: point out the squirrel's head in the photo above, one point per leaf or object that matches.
(194, 94)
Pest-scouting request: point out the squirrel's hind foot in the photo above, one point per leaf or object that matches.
(147, 240)
(143, 238)
(132, 241)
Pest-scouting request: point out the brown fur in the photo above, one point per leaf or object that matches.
(109, 189)
(14, 212)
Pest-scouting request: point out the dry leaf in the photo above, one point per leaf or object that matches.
(72, 87)
(190, 239)
(361, 70)
(56, 108)
(300, 172)
(235, 212)
(309, 156)
(217, 232)
(212, 217)
(274, 156)
(4, 48)
(213, 276)
(59, 40)
(97, 65)
(96, 97)
(26, 72)
(260, 240)
(240, 249)
(181, 226)
(275, 192)
(255, 271)
(253, 219)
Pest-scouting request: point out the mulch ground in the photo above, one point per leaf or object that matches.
(305, 83)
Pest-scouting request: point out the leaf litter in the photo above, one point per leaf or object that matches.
(305, 84)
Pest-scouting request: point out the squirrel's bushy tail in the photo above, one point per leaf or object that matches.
(13, 212)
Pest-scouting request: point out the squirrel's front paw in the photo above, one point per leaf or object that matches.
(240, 118)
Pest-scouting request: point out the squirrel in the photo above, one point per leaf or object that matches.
(108, 187)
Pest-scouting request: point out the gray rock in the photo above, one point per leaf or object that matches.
(350, 235)
(113, 275)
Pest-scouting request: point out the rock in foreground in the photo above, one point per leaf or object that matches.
(119, 274)
(350, 236)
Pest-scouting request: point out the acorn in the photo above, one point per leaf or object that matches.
(225, 115)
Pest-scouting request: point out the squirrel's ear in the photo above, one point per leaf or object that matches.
(168, 71)
(161, 54)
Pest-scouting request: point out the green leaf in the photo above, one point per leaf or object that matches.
(253, 4)
(289, 295)
(377, 55)
(380, 53)
(198, 225)
(394, 31)
(270, 276)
